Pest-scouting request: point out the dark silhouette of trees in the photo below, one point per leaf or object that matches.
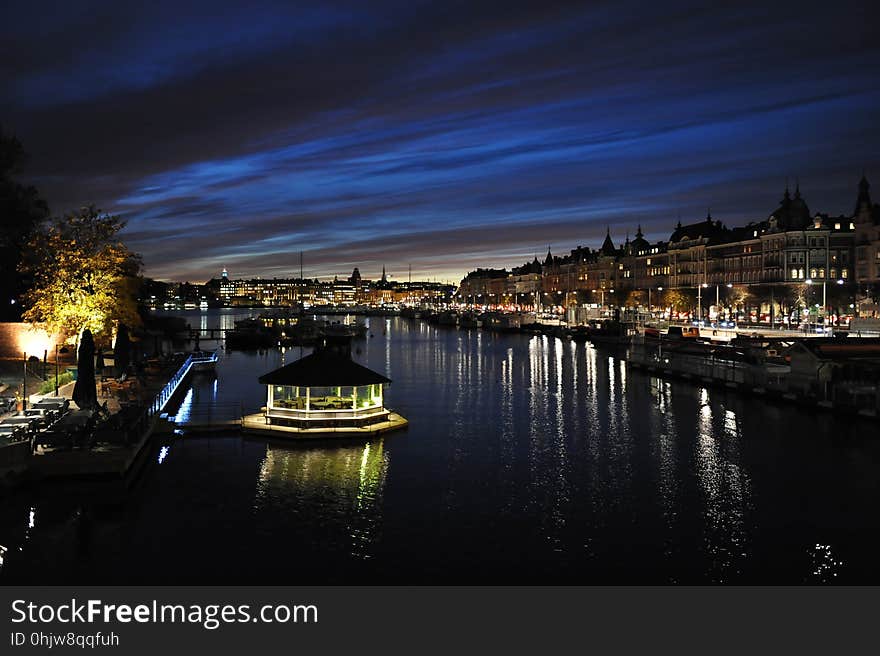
(22, 210)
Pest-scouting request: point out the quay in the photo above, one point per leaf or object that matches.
(116, 443)
(832, 374)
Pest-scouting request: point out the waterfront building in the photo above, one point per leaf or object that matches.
(866, 225)
(763, 270)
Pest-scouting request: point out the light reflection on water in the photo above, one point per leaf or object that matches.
(347, 482)
(527, 459)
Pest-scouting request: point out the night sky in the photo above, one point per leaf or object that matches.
(444, 135)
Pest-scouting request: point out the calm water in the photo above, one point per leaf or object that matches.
(527, 460)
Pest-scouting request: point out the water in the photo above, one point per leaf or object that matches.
(527, 460)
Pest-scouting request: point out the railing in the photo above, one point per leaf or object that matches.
(170, 388)
(693, 365)
(325, 414)
(209, 414)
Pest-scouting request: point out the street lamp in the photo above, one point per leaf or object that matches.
(65, 352)
(700, 303)
(809, 281)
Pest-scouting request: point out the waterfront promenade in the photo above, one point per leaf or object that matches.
(107, 443)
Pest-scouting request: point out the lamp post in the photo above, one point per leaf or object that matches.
(700, 303)
(24, 383)
(840, 282)
(63, 351)
(809, 281)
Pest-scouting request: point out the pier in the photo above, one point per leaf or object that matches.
(119, 443)
(822, 374)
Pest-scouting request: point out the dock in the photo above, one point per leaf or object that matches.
(121, 450)
(256, 424)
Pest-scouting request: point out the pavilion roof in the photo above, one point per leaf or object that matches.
(323, 369)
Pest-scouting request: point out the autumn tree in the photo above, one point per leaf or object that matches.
(634, 298)
(679, 300)
(84, 276)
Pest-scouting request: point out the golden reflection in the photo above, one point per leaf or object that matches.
(349, 479)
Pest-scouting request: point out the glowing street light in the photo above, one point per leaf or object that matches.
(700, 289)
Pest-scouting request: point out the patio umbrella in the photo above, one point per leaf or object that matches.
(99, 362)
(84, 393)
(122, 350)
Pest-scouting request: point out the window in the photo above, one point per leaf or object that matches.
(833, 273)
(844, 273)
(812, 273)
(794, 273)
(837, 226)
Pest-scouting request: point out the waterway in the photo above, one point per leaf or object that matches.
(527, 460)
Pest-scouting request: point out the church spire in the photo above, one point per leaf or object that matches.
(863, 202)
(608, 245)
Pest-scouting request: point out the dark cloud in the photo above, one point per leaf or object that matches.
(446, 135)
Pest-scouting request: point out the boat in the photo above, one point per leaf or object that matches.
(609, 332)
(470, 320)
(250, 333)
(448, 318)
(352, 330)
(501, 322)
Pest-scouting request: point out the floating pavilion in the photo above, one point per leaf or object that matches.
(325, 394)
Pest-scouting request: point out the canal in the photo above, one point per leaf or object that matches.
(527, 460)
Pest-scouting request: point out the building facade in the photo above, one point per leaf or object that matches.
(768, 268)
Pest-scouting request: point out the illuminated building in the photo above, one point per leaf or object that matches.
(325, 392)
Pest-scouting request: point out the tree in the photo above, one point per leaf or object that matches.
(84, 277)
(678, 300)
(634, 298)
(21, 212)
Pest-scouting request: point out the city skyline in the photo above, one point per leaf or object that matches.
(443, 138)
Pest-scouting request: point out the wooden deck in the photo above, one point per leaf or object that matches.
(255, 424)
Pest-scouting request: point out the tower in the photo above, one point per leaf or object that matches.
(863, 202)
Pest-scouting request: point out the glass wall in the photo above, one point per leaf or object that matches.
(327, 398)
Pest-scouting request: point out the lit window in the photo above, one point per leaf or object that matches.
(833, 273)
(844, 273)
(852, 226)
(794, 273)
(837, 226)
